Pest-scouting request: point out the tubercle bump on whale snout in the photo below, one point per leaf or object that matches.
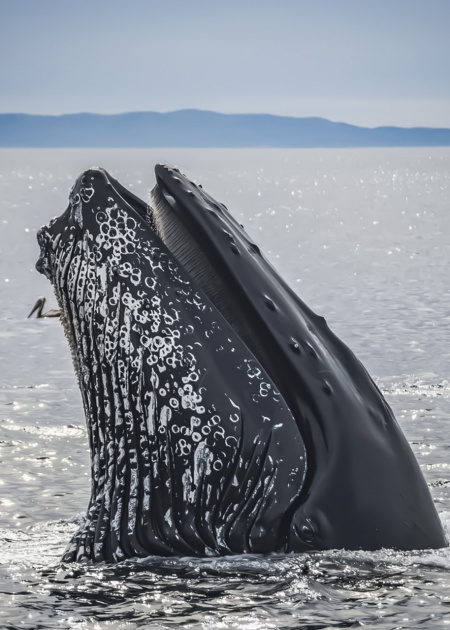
(94, 174)
(171, 182)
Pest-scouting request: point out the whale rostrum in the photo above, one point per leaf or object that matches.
(223, 415)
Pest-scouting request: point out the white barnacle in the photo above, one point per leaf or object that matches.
(132, 505)
(86, 193)
(220, 532)
(183, 448)
(151, 414)
(253, 371)
(78, 214)
(190, 400)
(191, 377)
(264, 389)
(202, 462)
(188, 491)
(167, 517)
(146, 498)
(154, 379)
(165, 416)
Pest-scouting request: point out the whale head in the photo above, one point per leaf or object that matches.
(223, 414)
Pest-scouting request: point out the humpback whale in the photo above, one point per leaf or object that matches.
(224, 416)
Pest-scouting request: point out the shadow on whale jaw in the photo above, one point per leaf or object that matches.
(223, 414)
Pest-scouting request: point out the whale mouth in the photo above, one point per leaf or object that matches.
(174, 202)
(169, 220)
(224, 415)
(228, 267)
(186, 427)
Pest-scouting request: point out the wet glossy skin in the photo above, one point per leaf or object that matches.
(187, 431)
(241, 427)
(363, 488)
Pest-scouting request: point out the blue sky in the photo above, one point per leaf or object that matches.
(359, 61)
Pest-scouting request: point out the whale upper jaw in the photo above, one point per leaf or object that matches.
(363, 487)
(331, 466)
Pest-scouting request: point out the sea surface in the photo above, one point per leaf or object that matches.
(363, 236)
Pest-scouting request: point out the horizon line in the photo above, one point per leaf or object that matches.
(211, 111)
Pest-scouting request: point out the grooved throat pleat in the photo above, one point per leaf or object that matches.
(169, 456)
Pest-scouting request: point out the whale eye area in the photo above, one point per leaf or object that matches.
(308, 531)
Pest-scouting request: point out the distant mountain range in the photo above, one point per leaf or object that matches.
(196, 128)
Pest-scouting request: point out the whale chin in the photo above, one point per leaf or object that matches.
(223, 414)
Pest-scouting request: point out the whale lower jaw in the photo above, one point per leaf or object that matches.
(186, 430)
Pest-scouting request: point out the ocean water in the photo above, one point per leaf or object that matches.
(363, 237)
